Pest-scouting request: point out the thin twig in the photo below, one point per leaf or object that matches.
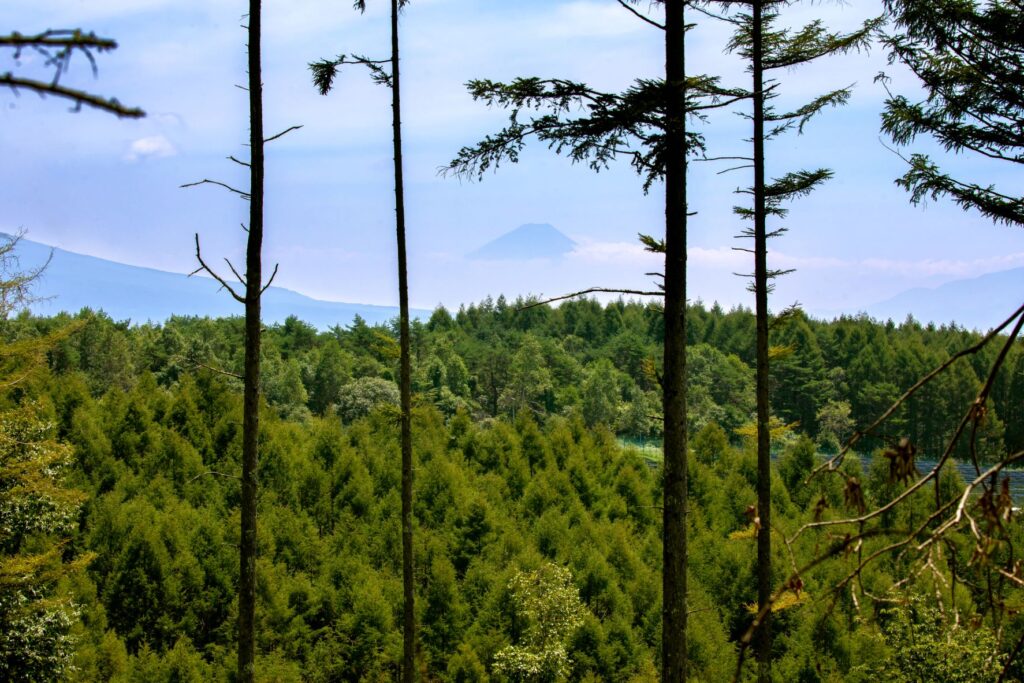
(244, 195)
(281, 134)
(271, 280)
(641, 16)
(79, 97)
(592, 290)
(213, 274)
(211, 473)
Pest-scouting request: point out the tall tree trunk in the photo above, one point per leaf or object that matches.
(405, 390)
(764, 463)
(674, 610)
(251, 400)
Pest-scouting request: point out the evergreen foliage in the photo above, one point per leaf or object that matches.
(969, 59)
(157, 452)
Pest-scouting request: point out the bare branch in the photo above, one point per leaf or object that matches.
(281, 134)
(241, 280)
(79, 97)
(60, 38)
(642, 17)
(213, 274)
(592, 290)
(271, 280)
(244, 195)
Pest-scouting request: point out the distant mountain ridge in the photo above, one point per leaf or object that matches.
(525, 243)
(74, 281)
(979, 303)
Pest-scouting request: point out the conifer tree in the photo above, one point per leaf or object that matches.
(324, 73)
(37, 511)
(969, 58)
(251, 298)
(647, 124)
(767, 48)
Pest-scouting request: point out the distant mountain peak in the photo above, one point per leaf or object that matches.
(979, 302)
(525, 243)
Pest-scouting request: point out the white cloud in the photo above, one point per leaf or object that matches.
(946, 267)
(155, 146)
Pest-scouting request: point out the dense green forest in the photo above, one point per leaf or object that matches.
(520, 418)
(518, 492)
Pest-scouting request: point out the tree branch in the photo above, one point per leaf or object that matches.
(642, 17)
(79, 97)
(244, 195)
(281, 134)
(213, 274)
(592, 290)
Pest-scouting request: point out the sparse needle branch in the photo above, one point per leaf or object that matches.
(587, 125)
(326, 70)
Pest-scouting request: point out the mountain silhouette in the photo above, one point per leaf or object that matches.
(525, 243)
(978, 303)
(75, 281)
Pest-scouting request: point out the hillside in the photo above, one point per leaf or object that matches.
(74, 281)
(978, 303)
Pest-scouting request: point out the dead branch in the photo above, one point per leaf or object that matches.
(79, 97)
(641, 16)
(271, 280)
(214, 274)
(592, 290)
(281, 134)
(244, 195)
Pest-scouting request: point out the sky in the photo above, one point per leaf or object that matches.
(94, 184)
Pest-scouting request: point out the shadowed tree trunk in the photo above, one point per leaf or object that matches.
(674, 654)
(405, 373)
(251, 400)
(763, 643)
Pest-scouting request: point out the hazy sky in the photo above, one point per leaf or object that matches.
(94, 184)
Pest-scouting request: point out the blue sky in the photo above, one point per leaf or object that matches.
(94, 184)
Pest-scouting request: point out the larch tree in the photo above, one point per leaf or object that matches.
(37, 511)
(768, 48)
(387, 72)
(646, 124)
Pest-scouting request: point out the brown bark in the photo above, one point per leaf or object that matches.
(674, 610)
(764, 463)
(251, 394)
(405, 381)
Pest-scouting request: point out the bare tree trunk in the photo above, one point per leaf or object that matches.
(764, 463)
(405, 389)
(251, 400)
(674, 610)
